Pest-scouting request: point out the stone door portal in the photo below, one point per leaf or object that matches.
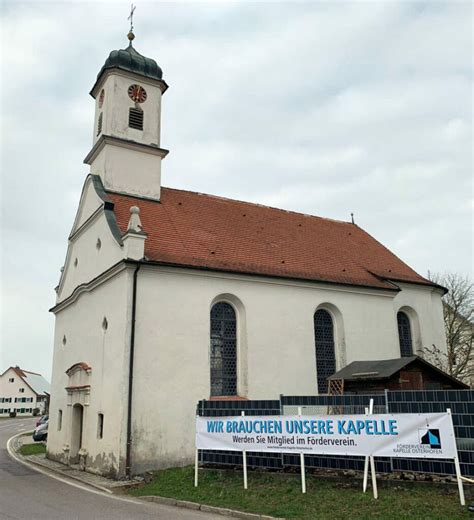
(76, 432)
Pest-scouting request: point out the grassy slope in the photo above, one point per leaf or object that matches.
(36, 448)
(280, 495)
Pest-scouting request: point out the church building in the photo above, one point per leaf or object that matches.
(169, 296)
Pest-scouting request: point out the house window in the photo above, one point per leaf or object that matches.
(100, 425)
(11, 380)
(22, 390)
(324, 344)
(223, 350)
(60, 420)
(404, 335)
(135, 118)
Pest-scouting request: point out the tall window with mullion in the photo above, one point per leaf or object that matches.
(325, 353)
(404, 335)
(223, 350)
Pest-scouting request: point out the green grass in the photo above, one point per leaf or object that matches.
(280, 495)
(36, 448)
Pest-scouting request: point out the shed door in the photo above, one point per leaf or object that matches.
(411, 380)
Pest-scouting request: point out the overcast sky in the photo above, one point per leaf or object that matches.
(324, 108)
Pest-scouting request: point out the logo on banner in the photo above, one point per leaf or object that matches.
(430, 438)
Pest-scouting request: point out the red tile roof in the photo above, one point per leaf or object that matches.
(203, 231)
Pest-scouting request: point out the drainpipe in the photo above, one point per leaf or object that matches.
(128, 461)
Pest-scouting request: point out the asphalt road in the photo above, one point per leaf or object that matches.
(26, 494)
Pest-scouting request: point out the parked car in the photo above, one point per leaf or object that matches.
(41, 432)
(42, 419)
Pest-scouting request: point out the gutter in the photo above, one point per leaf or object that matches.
(128, 460)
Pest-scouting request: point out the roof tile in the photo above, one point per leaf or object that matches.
(197, 230)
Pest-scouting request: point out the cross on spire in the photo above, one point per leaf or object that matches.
(130, 16)
(130, 34)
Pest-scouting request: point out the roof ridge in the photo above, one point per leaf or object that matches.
(30, 372)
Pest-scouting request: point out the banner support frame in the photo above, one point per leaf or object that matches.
(196, 464)
(303, 471)
(457, 466)
(244, 459)
(370, 458)
(366, 465)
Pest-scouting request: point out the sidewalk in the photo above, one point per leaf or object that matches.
(73, 472)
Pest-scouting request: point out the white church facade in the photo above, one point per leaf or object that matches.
(167, 296)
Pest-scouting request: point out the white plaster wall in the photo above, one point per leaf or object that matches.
(12, 390)
(129, 171)
(116, 108)
(276, 346)
(106, 351)
(91, 261)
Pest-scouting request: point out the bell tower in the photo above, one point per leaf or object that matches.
(126, 150)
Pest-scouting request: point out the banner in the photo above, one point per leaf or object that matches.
(381, 435)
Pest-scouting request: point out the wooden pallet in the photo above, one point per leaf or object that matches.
(336, 387)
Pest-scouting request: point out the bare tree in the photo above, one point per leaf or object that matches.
(458, 311)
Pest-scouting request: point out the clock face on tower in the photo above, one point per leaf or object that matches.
(137, 93)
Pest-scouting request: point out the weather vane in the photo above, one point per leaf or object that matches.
(130, 17)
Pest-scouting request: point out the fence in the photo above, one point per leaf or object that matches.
(461, 403)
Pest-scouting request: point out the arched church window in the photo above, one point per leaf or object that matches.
(99, 124)
(325, 353)
(135, 118)
(223, 350)
(404, 335)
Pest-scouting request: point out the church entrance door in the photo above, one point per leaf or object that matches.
(76, 432)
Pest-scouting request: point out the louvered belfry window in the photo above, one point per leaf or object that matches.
(404, 335)
(223, 350)
(135, 118)
(325, 354)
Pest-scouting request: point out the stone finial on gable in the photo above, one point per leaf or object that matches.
(135, 224)
(134, 238)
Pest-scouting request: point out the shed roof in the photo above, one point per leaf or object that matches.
(386, 368)
(377, 369)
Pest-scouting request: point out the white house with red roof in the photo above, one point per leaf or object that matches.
(23, 393)
(167, 296)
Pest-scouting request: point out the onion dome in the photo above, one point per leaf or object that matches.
(132, 61)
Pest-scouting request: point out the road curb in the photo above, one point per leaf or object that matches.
(167, 501)
(46, 469)
(64, 477)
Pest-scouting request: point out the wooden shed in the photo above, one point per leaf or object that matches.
(406, 373)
